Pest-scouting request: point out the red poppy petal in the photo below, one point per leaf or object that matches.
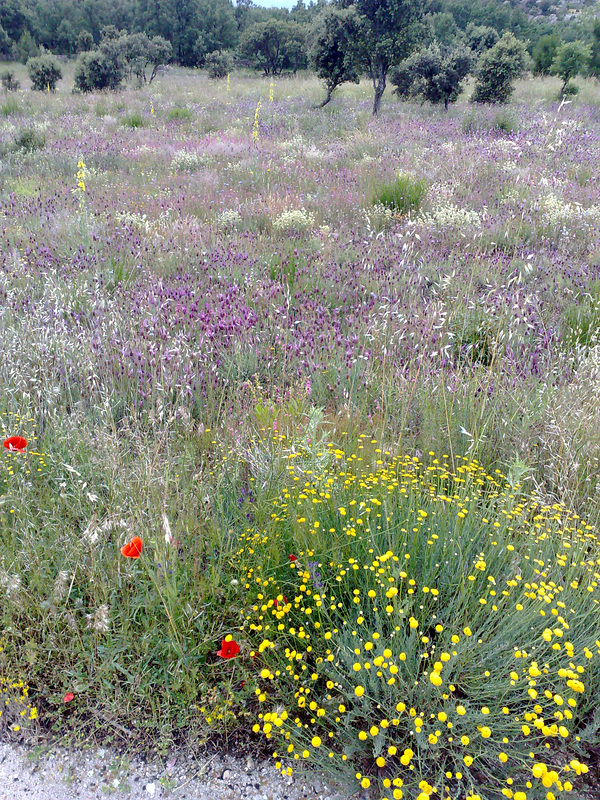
(68, 697)
(228, 649)
(15, 443)
(137, 545)
(133, 549)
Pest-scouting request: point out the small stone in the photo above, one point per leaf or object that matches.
(226, 775)
(249, 763)
(151, 788)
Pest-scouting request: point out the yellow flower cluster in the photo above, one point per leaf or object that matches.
(427, 614)
(16, 709)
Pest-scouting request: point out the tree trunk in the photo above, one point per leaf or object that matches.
(327, 98)
(379, 78)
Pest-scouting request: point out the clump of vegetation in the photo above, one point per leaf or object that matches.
(571, 58)
(294, 222)
(219, 63)
(133, 120)
(185, 161)
(8, 80)
(435, 74)
(10, 106)
(505, 121)
(333, 54)
(544, 53)
(380, 596)
(121, 55)
(180, 114)
(497, 70)
(17, 712)
(44, 72)
(402, 196)
(30, 139)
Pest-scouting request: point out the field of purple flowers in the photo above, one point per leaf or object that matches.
(181, 268)
(199, 261)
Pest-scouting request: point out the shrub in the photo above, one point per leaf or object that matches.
(44, 72)
(179, 114)
(185, 161)
(498, 68)
(99, 70)
(544, 52)
(571, 58)
(504, 121)
(403, 196)
(85, 41)
(435, 74)
(218, 63)
(30, 140)
(413, 626)
(9, 82)
(133, 120)
(229, 219)
(18, 711)
(10, 106)
(294, 222)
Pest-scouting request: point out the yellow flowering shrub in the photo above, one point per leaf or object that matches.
(422, 628)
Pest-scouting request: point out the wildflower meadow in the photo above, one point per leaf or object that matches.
(300, 430)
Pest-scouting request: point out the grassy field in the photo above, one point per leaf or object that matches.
(304, 471)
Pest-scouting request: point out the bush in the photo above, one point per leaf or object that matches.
(30, 140)
(85, 41)
(571, 58)
(412, 626)
(435, 74)
(44, 72)
(9, 82)
(544, 52)
(498, 68)
(10, 106)
(294, 222)
(218, 63)
(99, 70)
(403, 196)
(505, 122)
(179, 114)
(185, 161)
(480, 37)
(133, 120)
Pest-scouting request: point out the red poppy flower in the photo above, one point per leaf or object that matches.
(133, 549)
(68, 697)
(292, 557)
(16, 443)
(228, 649)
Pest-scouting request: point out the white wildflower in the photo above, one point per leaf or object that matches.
(167, 529)
(294, 222)
(99, 621)
(60, 585)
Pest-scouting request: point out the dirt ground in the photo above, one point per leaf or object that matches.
(62, 775)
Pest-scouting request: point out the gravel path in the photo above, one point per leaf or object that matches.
(93, 775)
